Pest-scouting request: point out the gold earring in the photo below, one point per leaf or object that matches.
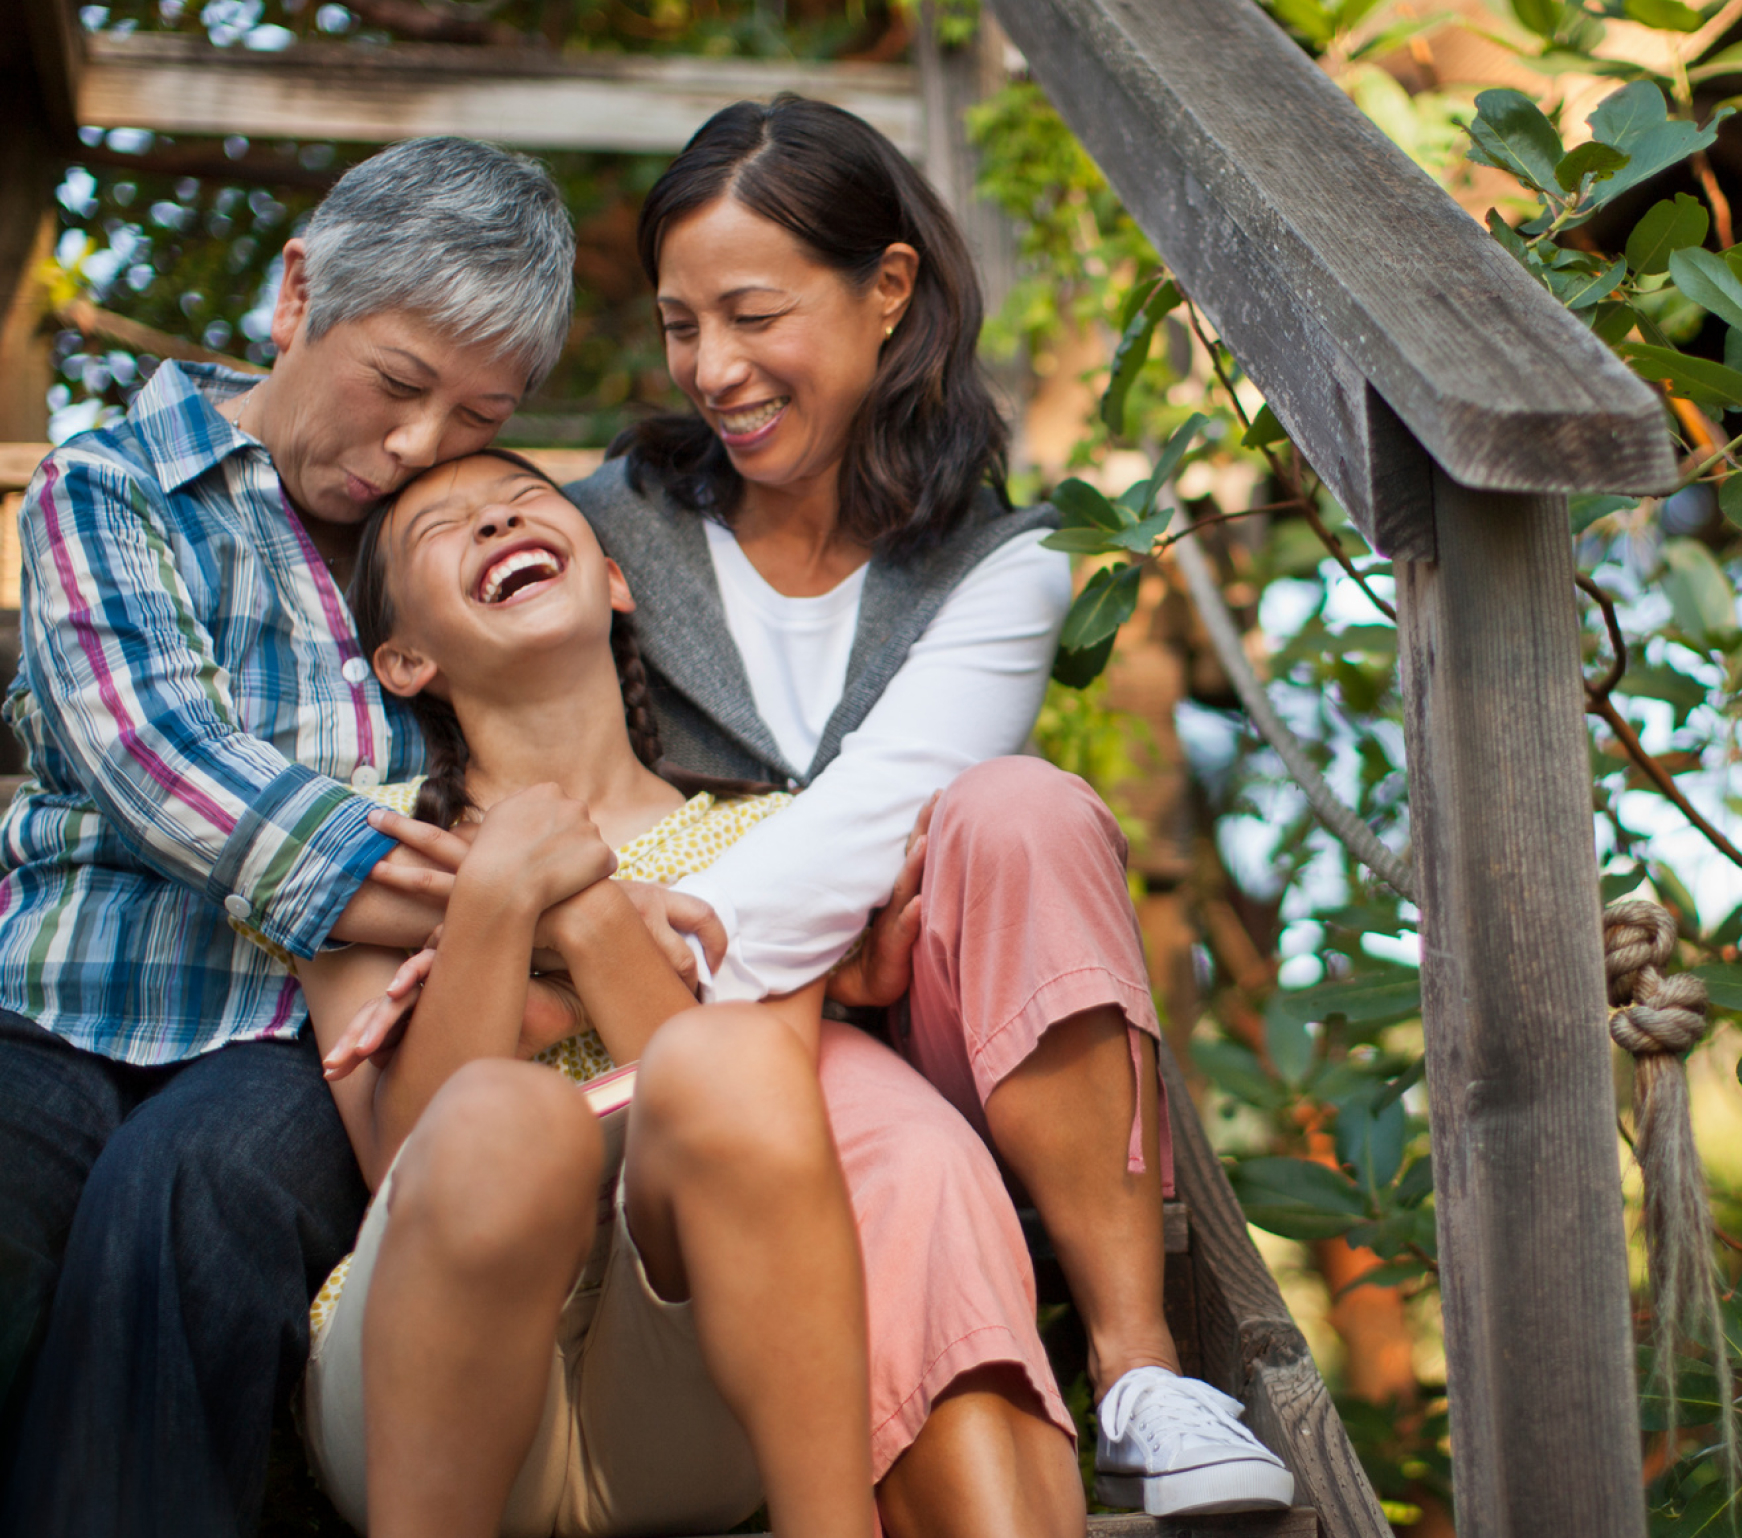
(888, 331)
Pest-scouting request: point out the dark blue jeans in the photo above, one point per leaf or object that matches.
(161, 1232)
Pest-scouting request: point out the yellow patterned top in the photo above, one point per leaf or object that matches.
(685, 841)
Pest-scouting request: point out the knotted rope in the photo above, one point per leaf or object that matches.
(1660, 1020)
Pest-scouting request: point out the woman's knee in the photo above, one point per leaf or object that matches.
(730, 1082)
(507, 1156)
(1024, 801)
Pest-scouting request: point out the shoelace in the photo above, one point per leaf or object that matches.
(1174, 1406)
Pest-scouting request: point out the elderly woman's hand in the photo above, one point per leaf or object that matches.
(881, 970)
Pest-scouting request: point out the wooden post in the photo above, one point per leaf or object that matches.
(951, 80)
(1410, 360)
(1532, 1248)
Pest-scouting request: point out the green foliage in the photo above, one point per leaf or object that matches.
(1340, 1056)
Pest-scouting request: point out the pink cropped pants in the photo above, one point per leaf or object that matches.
(1026, 921)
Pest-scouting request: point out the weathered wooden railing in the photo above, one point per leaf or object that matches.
(1449, 403)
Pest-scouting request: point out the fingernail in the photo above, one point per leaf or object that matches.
(376, 817)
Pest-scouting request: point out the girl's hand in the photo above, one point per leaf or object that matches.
(376, 1028)
(882, 971)
(536, 848)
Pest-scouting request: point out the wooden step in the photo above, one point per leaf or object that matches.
(1300, 1522)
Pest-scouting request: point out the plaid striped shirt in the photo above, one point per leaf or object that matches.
(193, 701)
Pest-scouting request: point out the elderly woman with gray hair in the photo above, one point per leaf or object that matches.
(173, 1175)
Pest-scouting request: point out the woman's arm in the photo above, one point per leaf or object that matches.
(534, 850)
(795, 891)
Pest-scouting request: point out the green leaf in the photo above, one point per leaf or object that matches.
(1671, 15)
(1236, 1071)
(1370, 1000)
(1290, 1045)
(1077, 670)
(1133, 352)
(1370, 1140)
(1636, 120)
(1510, 132)
(1136, 297)
(1684, 694)
(1417, 1183)
(1402, 1084)
(1082, 506)
(1729, 930)
(1585, 507)
(1700, 594)
(1306, 17)
(1081, 539)
(1723, 980)
(1264, 431)
(1730, 499)
(1611, 322)
(1733, 346)
(1707, 280)
(1666, 227)
(1387, 1275)
(1174, 450)
(1614, 887)
(1105, 603)
(1591, 158)
(1580, 290)
(1511, 239)
(1541, 16)
(1140, 538)
(1727, 61)
(1296, 1197)
(1627, 116)
(1695, 376)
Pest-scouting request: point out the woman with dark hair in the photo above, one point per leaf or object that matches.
(835, 595)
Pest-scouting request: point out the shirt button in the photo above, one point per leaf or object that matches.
(365, 777)
(354, 671)
(237, 906)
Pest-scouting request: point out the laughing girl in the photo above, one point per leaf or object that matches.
(507, 1351)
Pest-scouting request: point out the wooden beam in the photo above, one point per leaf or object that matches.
(18, 462)
(1356, 293)
(344, 91)
(54, 39)
(1533, 1268)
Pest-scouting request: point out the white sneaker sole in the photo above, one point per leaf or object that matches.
(1245, 1485)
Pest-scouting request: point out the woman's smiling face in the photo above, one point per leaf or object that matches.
(489, 561)
(776, 350)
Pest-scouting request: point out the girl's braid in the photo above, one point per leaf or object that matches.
(637, 696)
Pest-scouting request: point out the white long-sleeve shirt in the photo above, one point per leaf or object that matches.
(795, 892)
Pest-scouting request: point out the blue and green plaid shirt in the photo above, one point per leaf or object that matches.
(194, 704)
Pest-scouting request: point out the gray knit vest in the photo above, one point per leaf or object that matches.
(701, 695)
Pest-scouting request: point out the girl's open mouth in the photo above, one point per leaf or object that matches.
(516, 571)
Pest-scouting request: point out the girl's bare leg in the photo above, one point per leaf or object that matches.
(1061, 1122)
(986, 1464)
(485, 1239)
(735, 1198)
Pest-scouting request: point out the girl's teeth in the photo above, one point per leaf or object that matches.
(521, 560)
(741, 422)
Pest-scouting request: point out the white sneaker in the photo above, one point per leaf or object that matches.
(1170, 1446)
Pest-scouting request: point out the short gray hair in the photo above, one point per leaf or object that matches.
(474, 239)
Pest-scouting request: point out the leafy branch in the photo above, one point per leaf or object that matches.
(1599, 704)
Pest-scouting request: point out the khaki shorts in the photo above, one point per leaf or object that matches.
(634, 1437)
